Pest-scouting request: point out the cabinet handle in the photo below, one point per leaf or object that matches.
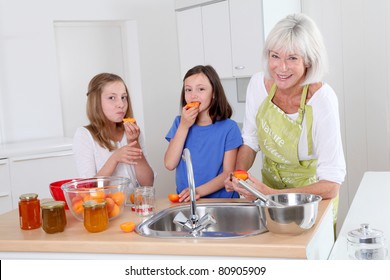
(239, 67)
(4, 194)
(42, 156)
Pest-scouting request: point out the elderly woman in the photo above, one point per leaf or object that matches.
(292, 117)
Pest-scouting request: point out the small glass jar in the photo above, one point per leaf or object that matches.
(95, 216)
(144, 201)
(29, 211)
(366, 243)
(53, 216)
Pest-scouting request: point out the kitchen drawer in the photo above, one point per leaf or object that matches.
(5, 187)
(34, 173)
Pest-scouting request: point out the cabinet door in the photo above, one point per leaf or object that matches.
(34, 173)
(275, 10)
(190, 36)
(216, 38)
(246, 24)
(5, 187)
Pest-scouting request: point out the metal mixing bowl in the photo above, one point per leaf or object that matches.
(298, 214)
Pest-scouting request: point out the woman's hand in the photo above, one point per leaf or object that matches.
(185, 195)
(231, 184)
(128, 154)
(132, 131)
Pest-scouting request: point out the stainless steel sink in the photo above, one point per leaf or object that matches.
(235, 219)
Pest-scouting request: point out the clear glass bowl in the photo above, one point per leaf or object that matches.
(113, 190)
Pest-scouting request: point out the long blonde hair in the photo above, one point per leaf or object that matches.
(98, 122)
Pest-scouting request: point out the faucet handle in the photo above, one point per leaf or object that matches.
(207, 219)
(182, 221)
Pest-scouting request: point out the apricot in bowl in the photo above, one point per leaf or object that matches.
(109, 189)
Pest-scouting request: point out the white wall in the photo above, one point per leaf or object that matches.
(357, 35)
(29, 84)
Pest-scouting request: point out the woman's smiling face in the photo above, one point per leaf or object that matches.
(286, 69)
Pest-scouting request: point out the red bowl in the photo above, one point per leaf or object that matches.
(57, 193)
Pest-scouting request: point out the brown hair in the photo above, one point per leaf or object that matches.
(98, 122)
(219, 108)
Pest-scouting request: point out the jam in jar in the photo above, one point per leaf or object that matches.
(95, 216)
(29, 211)
(53, 216)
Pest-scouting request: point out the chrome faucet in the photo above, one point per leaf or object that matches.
(193, 224)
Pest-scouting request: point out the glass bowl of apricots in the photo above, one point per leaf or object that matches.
(111, 190)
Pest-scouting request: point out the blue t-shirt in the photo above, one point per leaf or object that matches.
(207, 145)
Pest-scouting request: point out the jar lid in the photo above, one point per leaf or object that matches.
(94, 203)
(366, 235)
(52, 204)
(28, 196)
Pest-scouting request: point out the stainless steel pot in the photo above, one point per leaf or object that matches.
(298, 214)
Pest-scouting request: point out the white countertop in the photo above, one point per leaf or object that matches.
(37, 146)
(370, 205)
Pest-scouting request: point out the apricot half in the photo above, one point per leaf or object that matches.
(130, 120)
(240, 174)
(192, 104)
(127, 226)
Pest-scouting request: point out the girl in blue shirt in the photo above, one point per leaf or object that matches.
(208, 132)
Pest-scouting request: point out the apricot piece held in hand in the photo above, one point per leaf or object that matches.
(192, 104)
(131, 120)
(240, 174)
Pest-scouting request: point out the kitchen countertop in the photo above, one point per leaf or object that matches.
(370, 205)
(76, 242)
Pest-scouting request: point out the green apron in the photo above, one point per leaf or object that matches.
(278, 137)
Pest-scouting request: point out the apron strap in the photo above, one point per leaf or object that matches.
(301, 110)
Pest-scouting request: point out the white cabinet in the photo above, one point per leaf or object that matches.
(30, 167)
(5, 187)
(229, 35)
(190, 34)
(33, 173)
(204, 38)
(247, 36)
(216, 38)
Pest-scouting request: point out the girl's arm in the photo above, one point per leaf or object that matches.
(143, 171)
(175, 148)
(229, 162)
(83, 149)
(176, 145)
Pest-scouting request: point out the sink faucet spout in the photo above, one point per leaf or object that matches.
(191, 185)
(194, 225)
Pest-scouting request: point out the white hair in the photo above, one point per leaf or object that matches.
(299, 34)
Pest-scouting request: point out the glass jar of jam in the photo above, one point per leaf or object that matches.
(29, 211)
(53, 216)
(95, 216)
